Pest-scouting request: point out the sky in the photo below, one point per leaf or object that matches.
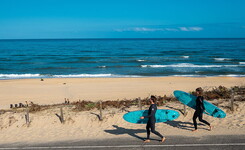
(42, 19)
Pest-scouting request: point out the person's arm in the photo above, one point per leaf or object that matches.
(152, 112)
(202, 100)
(197, 103)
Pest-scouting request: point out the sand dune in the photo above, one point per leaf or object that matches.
(46, 127)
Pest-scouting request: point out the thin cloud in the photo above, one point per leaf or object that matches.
(190, 28)
(145, 29)
(183, 29)
(140, 29)
(171, 29)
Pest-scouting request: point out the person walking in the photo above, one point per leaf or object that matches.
(152, 120)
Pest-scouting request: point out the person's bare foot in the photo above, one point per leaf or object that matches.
(147, 141)
(194, 130)
(163, 139)
(210, 128)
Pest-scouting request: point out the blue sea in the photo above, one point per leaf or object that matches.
(80, 58)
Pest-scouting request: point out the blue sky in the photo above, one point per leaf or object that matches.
(27, 19)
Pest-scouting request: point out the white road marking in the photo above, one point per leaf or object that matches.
(125, 146)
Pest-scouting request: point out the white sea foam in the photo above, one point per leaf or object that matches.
(189, 75)
(232, 75)
(102, 66)
(94, 76)
(188, 65)
(82, 75)
(16, 76)
(140, 60)
(242, 63)
(185, 57)
(222, 59)
(29, 76)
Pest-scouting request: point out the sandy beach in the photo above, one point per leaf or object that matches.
(52, 91)
(85, 125)
(45, 126)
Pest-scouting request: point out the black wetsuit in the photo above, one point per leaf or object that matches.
(152, 120)
(199, 111)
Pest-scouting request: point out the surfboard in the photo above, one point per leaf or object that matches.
(162, 115)
(190, 100)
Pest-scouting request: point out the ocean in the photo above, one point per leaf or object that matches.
(82, 58)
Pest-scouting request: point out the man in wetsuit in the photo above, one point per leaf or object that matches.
(152, 120)
(199, 109)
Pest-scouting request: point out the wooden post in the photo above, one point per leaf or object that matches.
(61, 116)
(101, 111)
(185, 112)
(232, 100)
(27, 117)
(118, 103)
(140, 105)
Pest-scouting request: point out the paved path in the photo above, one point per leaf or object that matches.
(227, 142)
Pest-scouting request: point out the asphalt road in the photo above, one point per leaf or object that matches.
(228, 142)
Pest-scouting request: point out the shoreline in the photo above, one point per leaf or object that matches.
(126, 76)
(55, 90)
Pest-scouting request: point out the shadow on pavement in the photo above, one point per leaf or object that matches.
(132, 132)
(184, 125)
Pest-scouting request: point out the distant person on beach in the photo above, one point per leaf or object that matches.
(152, 120)
(199, 109)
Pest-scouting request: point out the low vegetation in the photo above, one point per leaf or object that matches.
(220, 92)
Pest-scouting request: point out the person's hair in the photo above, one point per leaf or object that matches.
(200, 90)
(153, 98)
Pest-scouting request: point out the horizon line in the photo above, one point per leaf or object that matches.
(118, 38)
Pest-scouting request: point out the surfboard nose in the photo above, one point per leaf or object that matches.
(172, 115)
(221, 115)
(177, 93)
(176, 115)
